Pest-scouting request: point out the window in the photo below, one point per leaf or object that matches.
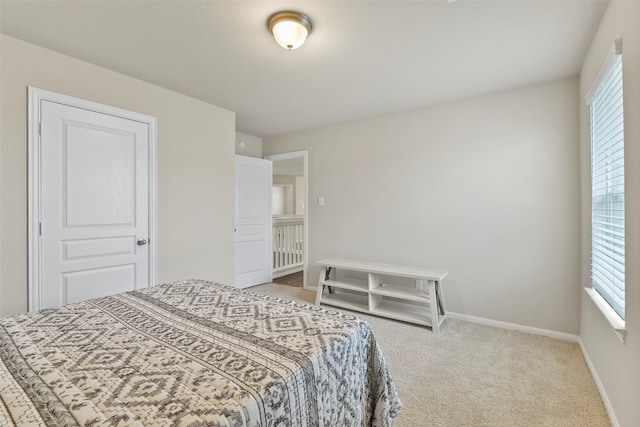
(607, 188)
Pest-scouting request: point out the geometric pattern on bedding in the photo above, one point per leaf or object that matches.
(192, 353)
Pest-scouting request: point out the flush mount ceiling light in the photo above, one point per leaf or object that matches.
(290, 29)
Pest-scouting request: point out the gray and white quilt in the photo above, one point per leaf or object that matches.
(192, 353)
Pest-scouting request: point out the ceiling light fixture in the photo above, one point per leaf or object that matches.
(290, 29)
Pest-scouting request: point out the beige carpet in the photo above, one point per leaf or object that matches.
(473, 375)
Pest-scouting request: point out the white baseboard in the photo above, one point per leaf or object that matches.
(599, 385)
(512, 326)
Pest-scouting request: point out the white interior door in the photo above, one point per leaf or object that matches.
(253, 221)
(94, 207)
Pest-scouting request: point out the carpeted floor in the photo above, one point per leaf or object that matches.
(474, 375)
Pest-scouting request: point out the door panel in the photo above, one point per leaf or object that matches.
(253, 221)
(98, 159)
(95, 248)
(95, 204)
(99, 282)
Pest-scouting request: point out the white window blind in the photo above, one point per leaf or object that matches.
(607, 188)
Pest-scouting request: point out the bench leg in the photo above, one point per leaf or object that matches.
(433, 302)
(441, 308)
(323, 274)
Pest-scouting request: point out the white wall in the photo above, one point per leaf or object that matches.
(487, 188)
(617, 365)
(291, 194)
(248, 145)
(278, 200)
(196, 172)
(299, 195)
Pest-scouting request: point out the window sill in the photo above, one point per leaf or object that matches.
(612, 317)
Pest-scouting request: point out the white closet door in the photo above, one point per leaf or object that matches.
(94, 204)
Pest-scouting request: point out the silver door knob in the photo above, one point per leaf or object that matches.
(142, 242)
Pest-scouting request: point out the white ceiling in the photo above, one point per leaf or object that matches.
(363, 58)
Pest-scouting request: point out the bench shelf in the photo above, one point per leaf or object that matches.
(422, 304)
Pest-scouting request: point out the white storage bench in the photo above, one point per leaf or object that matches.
(421, 303)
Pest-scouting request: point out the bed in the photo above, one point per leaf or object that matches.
(192, 353)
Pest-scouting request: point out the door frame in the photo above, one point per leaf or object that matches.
(35, 98)
(305, 226)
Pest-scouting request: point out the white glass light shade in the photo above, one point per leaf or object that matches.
(290, 29)
(289, 34)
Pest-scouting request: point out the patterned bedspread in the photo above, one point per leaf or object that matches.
(192, 353)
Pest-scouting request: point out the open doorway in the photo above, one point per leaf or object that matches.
(290, 217)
